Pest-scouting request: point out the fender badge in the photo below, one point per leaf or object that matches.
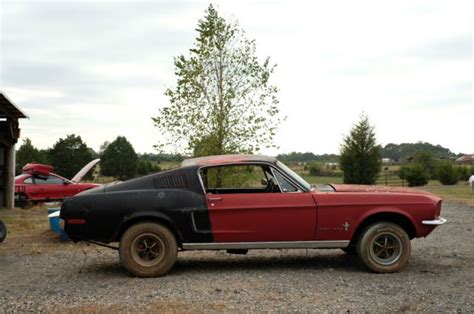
(346, 226)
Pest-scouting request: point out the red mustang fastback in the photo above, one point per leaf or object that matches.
(242, 202)
(38, 184)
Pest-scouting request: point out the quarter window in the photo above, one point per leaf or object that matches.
(285, 185)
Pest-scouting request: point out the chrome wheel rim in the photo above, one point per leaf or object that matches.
(148, 249)
(386, 248)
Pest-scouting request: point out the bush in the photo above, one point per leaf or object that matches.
(415, 175)
(331, 173)
(145, 167)
(426, 160)
(314, 168)
(464, 173)
(447, 174)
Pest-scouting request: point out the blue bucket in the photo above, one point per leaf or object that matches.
(55, 223)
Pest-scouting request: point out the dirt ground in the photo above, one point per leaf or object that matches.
(42, 274)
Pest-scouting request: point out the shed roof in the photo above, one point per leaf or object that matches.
(225, 159)
(9, 109)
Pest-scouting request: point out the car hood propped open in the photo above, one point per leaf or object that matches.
(78, 177)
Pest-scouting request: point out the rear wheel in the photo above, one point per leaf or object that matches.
(148, 250)
(384, 247)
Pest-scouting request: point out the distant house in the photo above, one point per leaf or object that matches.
(465, 160)
(387, 160)
(330, 165)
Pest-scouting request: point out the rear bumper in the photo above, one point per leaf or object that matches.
(435, 222)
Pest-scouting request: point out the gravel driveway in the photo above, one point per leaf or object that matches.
(81, 278)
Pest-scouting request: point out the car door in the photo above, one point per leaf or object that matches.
(50, 187)
(247, 203)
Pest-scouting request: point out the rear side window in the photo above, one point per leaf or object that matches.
(28, 180)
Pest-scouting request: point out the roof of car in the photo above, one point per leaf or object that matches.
(226, 159)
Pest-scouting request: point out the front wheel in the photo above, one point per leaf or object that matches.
(384, 247)
(148, 249)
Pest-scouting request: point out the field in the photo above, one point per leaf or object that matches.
(460, 192)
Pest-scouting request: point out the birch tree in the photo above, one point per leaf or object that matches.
(223, 101)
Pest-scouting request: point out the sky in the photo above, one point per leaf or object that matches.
(100, 68)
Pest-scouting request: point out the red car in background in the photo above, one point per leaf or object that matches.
(38, 183)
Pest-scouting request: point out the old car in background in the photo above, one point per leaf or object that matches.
(242, 202)
(38, 183)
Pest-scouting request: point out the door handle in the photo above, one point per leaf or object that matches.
(213, 199)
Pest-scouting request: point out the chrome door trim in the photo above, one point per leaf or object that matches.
(267, 245)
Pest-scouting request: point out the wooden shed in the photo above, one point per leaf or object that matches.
(9, 134)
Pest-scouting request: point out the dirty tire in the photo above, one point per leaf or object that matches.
(3, 231)
(384, 247)
(148, 249)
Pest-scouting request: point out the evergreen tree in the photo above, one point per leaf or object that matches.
(119, 159)
(360, 154)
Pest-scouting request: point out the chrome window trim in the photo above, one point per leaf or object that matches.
(267, 245)
(298, 190)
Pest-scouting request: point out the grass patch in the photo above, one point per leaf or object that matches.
(460, 192)
(321, 180)
(29, 232)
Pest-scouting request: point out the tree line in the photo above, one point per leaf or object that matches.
(68, 155)
(403, 152)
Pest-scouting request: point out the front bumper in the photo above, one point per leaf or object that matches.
(435, 222)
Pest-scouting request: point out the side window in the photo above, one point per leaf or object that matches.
(49, 180)
(28, 180)
(241, 178)
(234, 177)
(285, 185)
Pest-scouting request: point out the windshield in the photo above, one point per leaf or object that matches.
(294, 175)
